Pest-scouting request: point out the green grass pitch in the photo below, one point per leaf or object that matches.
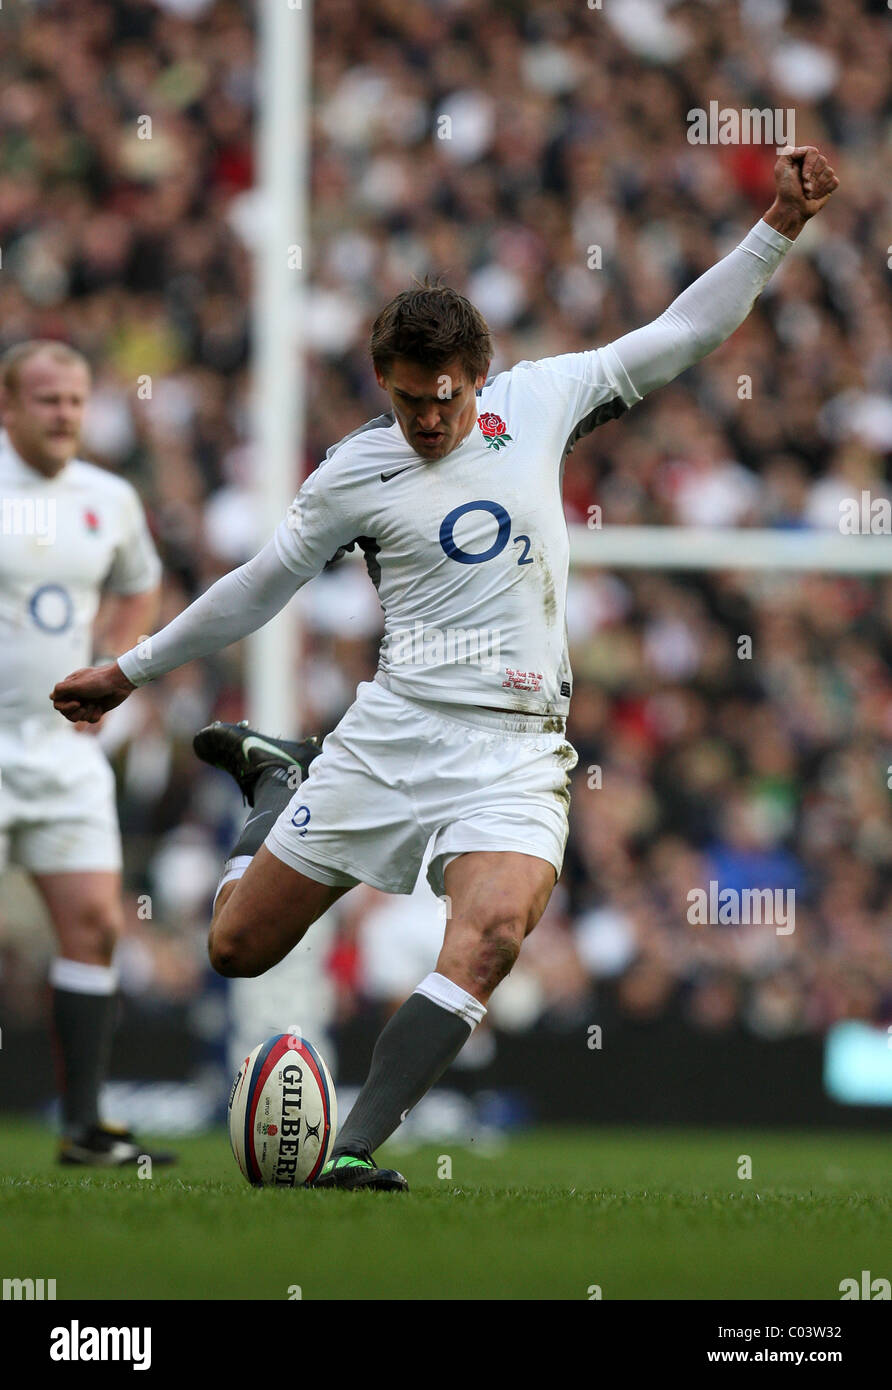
(643, 1214)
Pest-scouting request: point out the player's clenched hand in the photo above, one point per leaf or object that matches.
(804, 181)
(89, 694)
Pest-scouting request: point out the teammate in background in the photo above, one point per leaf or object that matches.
(67, 531)
(455, 498)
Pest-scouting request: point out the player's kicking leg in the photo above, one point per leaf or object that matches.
(264, 907)
(252, 934)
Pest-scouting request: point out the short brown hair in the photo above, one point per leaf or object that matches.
(432, 325)
(14, 359)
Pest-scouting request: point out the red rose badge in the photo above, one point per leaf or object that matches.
(494, 430)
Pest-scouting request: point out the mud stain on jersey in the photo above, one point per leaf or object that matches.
(554, 724)
(549, 599)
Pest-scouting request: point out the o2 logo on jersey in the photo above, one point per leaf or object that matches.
(301, 819)
(52, 608)
(477, 557)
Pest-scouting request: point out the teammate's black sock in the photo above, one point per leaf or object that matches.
(413, 1051)
(273, 790)
(84, 1009)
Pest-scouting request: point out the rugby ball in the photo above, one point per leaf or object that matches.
(283, 1113)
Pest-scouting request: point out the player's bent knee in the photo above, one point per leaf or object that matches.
(230, 957)
(497, 950)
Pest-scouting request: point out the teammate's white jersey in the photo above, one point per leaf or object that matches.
(62, 539)
(470, 552)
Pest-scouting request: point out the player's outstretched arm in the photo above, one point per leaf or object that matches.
(716, 304)
(239, 603)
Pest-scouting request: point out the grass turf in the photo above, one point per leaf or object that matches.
(644, 1214)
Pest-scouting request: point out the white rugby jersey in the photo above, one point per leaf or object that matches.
(469, 553)
(62, 540)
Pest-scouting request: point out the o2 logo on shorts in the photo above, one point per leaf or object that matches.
(303, 811)
(52, 608)
(472, 557)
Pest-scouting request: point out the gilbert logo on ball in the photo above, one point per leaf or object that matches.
(283, 1113)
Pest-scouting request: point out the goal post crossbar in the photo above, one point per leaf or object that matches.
(727, 548)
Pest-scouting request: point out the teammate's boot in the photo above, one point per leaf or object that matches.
(108, 1146)
(352, 1173)
(244, 753)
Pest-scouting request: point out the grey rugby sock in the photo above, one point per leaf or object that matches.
(415, 1048)
(273, 790)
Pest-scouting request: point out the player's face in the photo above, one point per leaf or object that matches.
(44, 416)
(436, 409)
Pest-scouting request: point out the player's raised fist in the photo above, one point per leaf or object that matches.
(804, 180)
(86, 695)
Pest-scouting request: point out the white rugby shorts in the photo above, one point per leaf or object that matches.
(397, 772)
(57, 800)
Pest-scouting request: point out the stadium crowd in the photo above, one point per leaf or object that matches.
(536, 154)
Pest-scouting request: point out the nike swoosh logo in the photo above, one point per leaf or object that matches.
(265, 747)
(386, 477)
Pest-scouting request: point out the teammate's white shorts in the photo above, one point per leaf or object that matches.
(57, 801)
(397, 771)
